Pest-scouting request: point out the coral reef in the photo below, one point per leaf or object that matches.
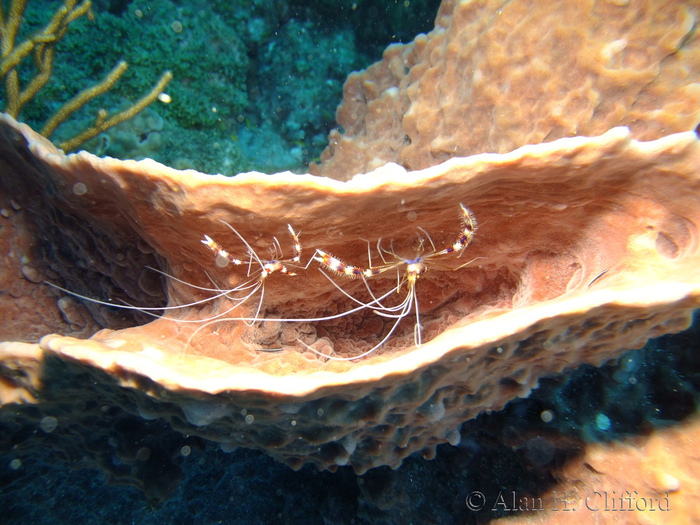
(587, 246)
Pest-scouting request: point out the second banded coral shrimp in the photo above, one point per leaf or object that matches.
(413, 269)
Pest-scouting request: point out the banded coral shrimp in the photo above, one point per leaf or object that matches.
(413, 269)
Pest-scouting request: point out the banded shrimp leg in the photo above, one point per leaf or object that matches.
(414, 269)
